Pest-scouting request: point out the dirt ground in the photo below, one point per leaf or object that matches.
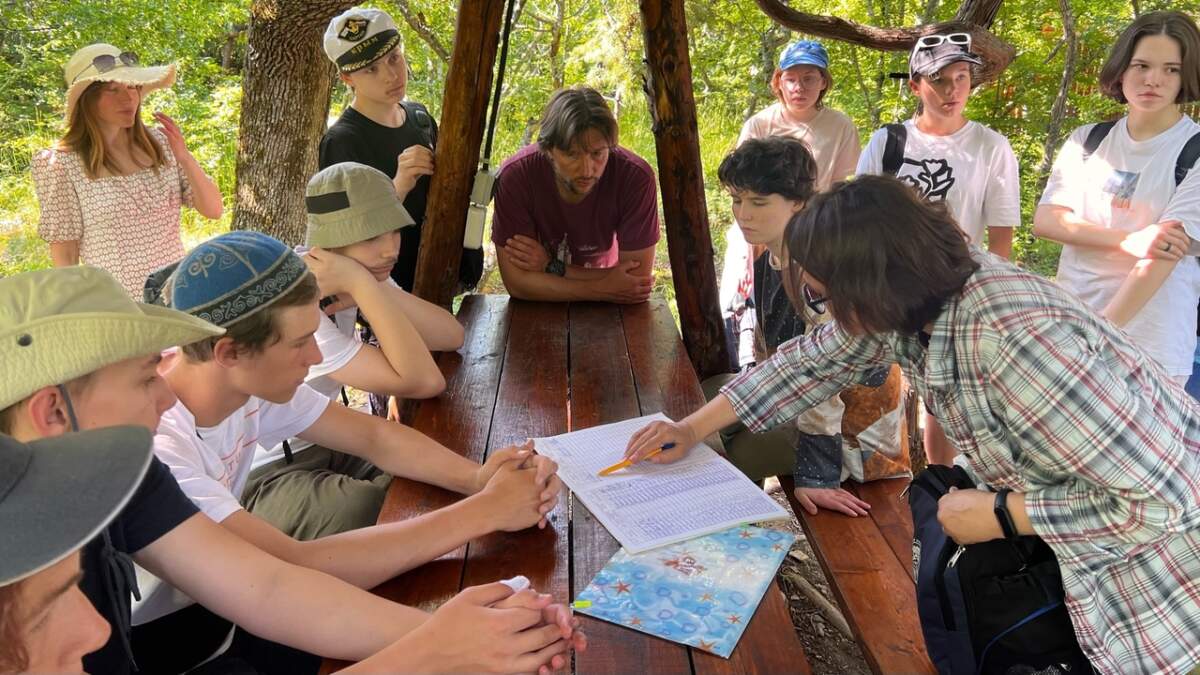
(829, 651)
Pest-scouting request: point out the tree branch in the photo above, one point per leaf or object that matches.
(1058, 110)
(417, 21)
(997, 54)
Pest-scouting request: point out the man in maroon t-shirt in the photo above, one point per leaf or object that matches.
(576, 215)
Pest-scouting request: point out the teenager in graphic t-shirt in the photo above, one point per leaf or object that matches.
(383, 131)
(951, 159)
(576, 215)
(1128, 230)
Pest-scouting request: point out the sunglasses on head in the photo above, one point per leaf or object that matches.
(106, 62)
(930, 41)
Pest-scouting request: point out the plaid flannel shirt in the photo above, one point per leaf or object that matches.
(1046, 398)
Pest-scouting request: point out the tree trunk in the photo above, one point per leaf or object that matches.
(979, 12)
(285, 99)
(673, 111)
(464, 105)
(996, 53)
(1058, 110)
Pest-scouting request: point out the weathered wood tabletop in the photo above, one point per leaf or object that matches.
(539, 369)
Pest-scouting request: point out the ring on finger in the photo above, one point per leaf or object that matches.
(1168, 248)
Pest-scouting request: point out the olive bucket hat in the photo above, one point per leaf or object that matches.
(60, 324)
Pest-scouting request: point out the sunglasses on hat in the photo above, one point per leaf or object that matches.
(930, 41)
(106, 62)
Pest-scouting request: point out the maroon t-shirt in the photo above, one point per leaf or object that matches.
(619, 214)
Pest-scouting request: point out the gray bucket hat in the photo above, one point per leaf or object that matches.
(57, 494)
(927, 61)
(351, 202)
(59, 324)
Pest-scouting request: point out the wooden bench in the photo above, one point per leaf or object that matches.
(540, 369)
(868, 562)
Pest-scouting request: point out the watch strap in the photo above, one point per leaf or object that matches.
(1000, 508)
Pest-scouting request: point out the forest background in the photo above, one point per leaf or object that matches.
(554, 43)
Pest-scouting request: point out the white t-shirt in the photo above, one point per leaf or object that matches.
(1127, 185)
(339, 344)
(212, 465)
(973, 170)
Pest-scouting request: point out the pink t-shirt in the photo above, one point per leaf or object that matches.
(619, 214)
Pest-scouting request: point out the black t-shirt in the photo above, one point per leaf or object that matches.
(356, 138)
(157, 507)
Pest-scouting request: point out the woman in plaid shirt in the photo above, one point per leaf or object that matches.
(1100, 447)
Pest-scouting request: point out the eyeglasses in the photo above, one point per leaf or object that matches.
(930, 41)
(106, 62)
(810, 81)
(815, 302)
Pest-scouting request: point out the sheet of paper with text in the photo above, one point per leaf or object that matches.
(650, 505)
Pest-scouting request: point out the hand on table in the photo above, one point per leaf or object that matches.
(414, 162)
(967, 516)
(553, 614)
(657, 434)
(485, 629)
(1163, 241)
(527, 253)
(523, 484)
(622, 285)
(831, 499)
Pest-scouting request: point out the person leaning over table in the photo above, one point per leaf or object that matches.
(111, 190)
(1099, 448)
(80, 354)
(576, 215)
(47, 624)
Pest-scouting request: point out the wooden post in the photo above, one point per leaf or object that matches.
(668, 84)
(464, 105)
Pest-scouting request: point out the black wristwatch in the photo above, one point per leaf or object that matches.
(556, 267)
(1001, 510)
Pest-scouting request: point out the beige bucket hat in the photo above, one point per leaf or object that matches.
(105, 63)
(59, 324)
(351, 202)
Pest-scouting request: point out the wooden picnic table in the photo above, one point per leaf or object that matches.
(530, 369)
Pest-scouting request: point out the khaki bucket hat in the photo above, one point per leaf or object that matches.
(351, 202)
(59, 324)
(105, 63)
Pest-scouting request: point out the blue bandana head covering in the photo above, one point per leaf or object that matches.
(804, 53)
(230, 277)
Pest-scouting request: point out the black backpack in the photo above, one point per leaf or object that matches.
(992, 607)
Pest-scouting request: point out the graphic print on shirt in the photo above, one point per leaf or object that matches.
(1121, 185)
(933, 179)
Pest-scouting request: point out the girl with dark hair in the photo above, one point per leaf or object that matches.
(1094, 449)
(111, 190)
(1128, 224)
(856, 434)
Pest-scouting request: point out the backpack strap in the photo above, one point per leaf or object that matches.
(893, 150)
(1187, 158)
(1096, 136)
(420, 114)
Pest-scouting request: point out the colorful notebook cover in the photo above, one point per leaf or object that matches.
(701, 592)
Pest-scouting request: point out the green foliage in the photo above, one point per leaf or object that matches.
(733, 50)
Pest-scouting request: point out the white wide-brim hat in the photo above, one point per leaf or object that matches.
(81, 71)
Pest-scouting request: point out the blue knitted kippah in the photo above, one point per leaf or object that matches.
(232, 276)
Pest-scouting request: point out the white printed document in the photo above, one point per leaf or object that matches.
(649, 505)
